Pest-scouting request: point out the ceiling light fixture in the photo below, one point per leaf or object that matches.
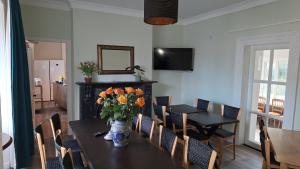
(160, 12)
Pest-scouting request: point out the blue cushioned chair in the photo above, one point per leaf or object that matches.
(223, 135)
(146, 126)
(56, 128)
(198, 153)
(47, 163)
(167, 140)
(202, 104)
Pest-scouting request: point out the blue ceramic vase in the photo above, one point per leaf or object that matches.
(120, 131)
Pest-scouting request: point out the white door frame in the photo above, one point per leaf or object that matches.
(292, 38)
(69, 71)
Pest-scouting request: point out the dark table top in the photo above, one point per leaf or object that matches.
(207, 119)
(6, 141)
(183, 108)
(101, 154)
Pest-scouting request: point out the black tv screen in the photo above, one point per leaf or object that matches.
(173, 59)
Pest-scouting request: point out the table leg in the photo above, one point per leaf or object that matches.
(283, 166)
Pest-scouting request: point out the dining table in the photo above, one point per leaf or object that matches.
(6, 141)
(99, 153)
(206, 122)
(285, 144)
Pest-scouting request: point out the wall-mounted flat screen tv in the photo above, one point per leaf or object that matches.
(173, 59)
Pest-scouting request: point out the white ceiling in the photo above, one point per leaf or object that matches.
(190, 11)
(187, 8)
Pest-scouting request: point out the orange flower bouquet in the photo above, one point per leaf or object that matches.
(119, 104)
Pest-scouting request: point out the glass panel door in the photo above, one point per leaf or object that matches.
(267, 89)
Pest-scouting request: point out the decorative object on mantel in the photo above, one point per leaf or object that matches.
(160, 12)
(118, 108)
(138, 73)
(87, 69)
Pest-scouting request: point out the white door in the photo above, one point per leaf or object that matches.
(272, 88)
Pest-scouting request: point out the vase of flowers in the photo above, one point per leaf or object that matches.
(87, 69)
(118, 108)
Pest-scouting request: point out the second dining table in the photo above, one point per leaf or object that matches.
(206, 122)
(99, 153)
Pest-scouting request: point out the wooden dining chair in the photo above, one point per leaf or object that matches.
(77, 161)
(181, 128)
(56, 128)
(277, 109)
(135, 122)
(226, 135)
(202, 104)
(167, 140)
(265, 143)
(162, 100)
(161, 116)
(261, 104)
(67, 160)
(198, 153)
(146, 126)
(46, 163)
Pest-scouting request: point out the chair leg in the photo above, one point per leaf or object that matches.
(221, 147)
(233, 141)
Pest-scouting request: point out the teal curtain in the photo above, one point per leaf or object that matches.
(21, 100)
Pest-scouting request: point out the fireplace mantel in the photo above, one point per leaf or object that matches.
(89, 94)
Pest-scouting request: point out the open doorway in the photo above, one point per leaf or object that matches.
(48, 74)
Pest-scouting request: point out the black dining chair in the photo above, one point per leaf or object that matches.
(161, 116)
(76, 156)
(198, 153)
(202, 104)
(180, 127)
(224, 135)
(167, 140)
(162, 100)
(146, 126)
(47, 163)
(56, 128)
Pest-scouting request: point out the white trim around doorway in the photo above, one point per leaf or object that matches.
(292, 38)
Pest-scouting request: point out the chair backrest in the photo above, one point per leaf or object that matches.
(261, 103)
(39, 134)
(167, 140)
(146, 126)
(162, 100)
(55, 124)
(135, 122)
(177, 119)
(202, 104)
(67, 160)
(278, 106)
(231, 112)
(158, 111)
(265, 144)
(198, 153)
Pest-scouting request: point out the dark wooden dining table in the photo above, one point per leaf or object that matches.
(206, 122)
(101, 154)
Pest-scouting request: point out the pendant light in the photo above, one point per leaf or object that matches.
(160, 12)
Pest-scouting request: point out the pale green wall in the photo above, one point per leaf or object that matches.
(215, 43)
(169, 82)
(92, 28)
(46, 23)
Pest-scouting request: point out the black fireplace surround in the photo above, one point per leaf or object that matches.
(89, 94)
